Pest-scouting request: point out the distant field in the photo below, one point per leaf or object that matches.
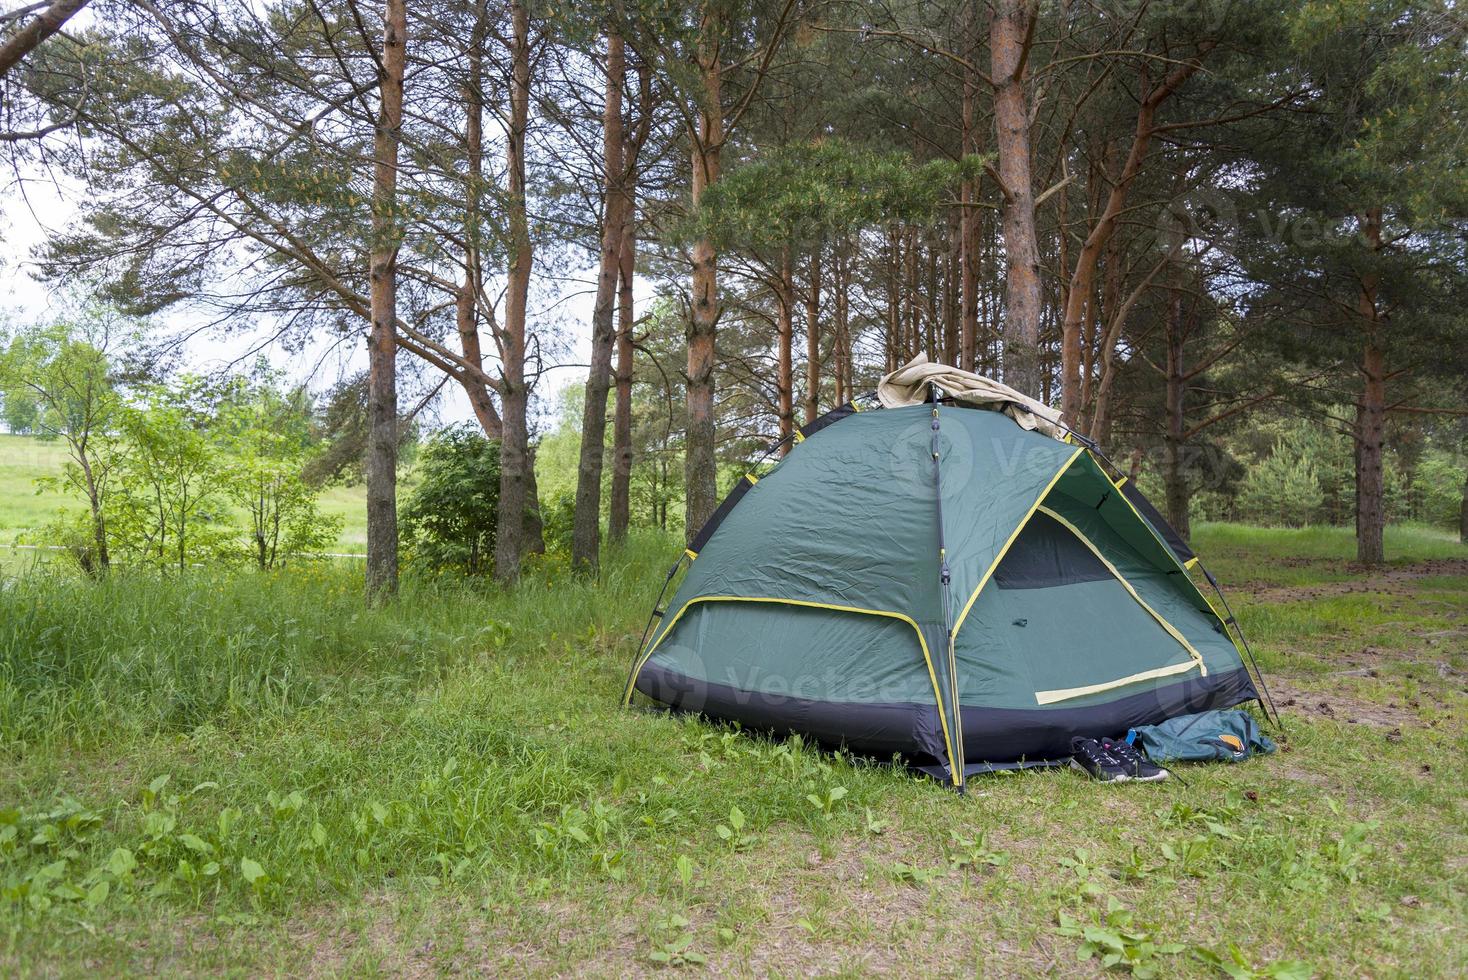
(25, 459)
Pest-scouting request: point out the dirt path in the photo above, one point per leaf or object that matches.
(1396, 580)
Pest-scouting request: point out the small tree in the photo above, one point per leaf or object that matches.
(168, 479)
(1284, 489)
(62, 372)
(452, 514)
(267, 435)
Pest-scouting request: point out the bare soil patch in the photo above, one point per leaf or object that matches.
(1393, 581)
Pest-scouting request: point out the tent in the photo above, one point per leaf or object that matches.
(939, 582)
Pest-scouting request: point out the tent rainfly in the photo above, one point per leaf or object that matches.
(942, 583)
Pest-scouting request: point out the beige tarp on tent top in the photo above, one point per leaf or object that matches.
(908, 385)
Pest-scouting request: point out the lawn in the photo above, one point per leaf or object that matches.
(251, 773)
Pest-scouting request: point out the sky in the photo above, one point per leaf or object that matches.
(38, 208)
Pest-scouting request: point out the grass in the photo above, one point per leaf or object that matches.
(246, 774)
(25, 459)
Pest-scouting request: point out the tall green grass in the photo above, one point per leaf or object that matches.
(142, 652)
(1404, 542)
(251, 773)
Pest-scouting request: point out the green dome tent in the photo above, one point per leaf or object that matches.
(843, 596)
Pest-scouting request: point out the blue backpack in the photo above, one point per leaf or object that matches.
(1227, 736)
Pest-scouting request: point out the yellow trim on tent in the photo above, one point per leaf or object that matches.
(751, 478)
(927, 658)
(989, 572)
(690, 553)
(799, 437)
(1172, 630)
(855, 405)
(1166, 548)
(1065, 694)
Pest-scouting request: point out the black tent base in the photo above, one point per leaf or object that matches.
(991, 735)
(1018, 739)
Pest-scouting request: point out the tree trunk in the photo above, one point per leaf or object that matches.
(382, 395)
(1463, 513)
(968, 239)
(586, 523)
(621, 504)
(466, 308)
(893, 347)
(1083, 277)
(842, 356)
(785, 330)
(1010, 33)
(1174, 475)
(951, 291)
(94, 502)
(700, 468)
(511, 536)
(813, 339)
(1370, 430)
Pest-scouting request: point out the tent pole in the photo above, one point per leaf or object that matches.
(945, 577)
(656, 614)
(1232, 619)
(1258, 674)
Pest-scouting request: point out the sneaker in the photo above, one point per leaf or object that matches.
(1133, 763)
(1090, 757)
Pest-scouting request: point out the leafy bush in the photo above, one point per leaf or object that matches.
(558, 515)
(449, 520)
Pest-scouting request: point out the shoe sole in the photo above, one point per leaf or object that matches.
(1120, 777)
(1149, 779)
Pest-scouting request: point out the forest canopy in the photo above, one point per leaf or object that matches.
(1226, 237)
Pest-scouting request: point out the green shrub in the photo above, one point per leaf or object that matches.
(450, 518)
(1284, 490)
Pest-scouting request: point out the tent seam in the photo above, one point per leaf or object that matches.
(1172, 630)
(1010, 543)
(888, 614)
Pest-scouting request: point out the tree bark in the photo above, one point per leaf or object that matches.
(36, 31)
(382, 440)
(1174, 475)
(1010, 33)
(700, 468)
(1370, 429)
(785, 331)
(813, 339)
(968, 239)
(842, 354)
(893, 347)
(1463, 513)
(511, 536)
(621, 504)
(1082, 278)
(586, 522)
(80, 453)
(466, 309)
